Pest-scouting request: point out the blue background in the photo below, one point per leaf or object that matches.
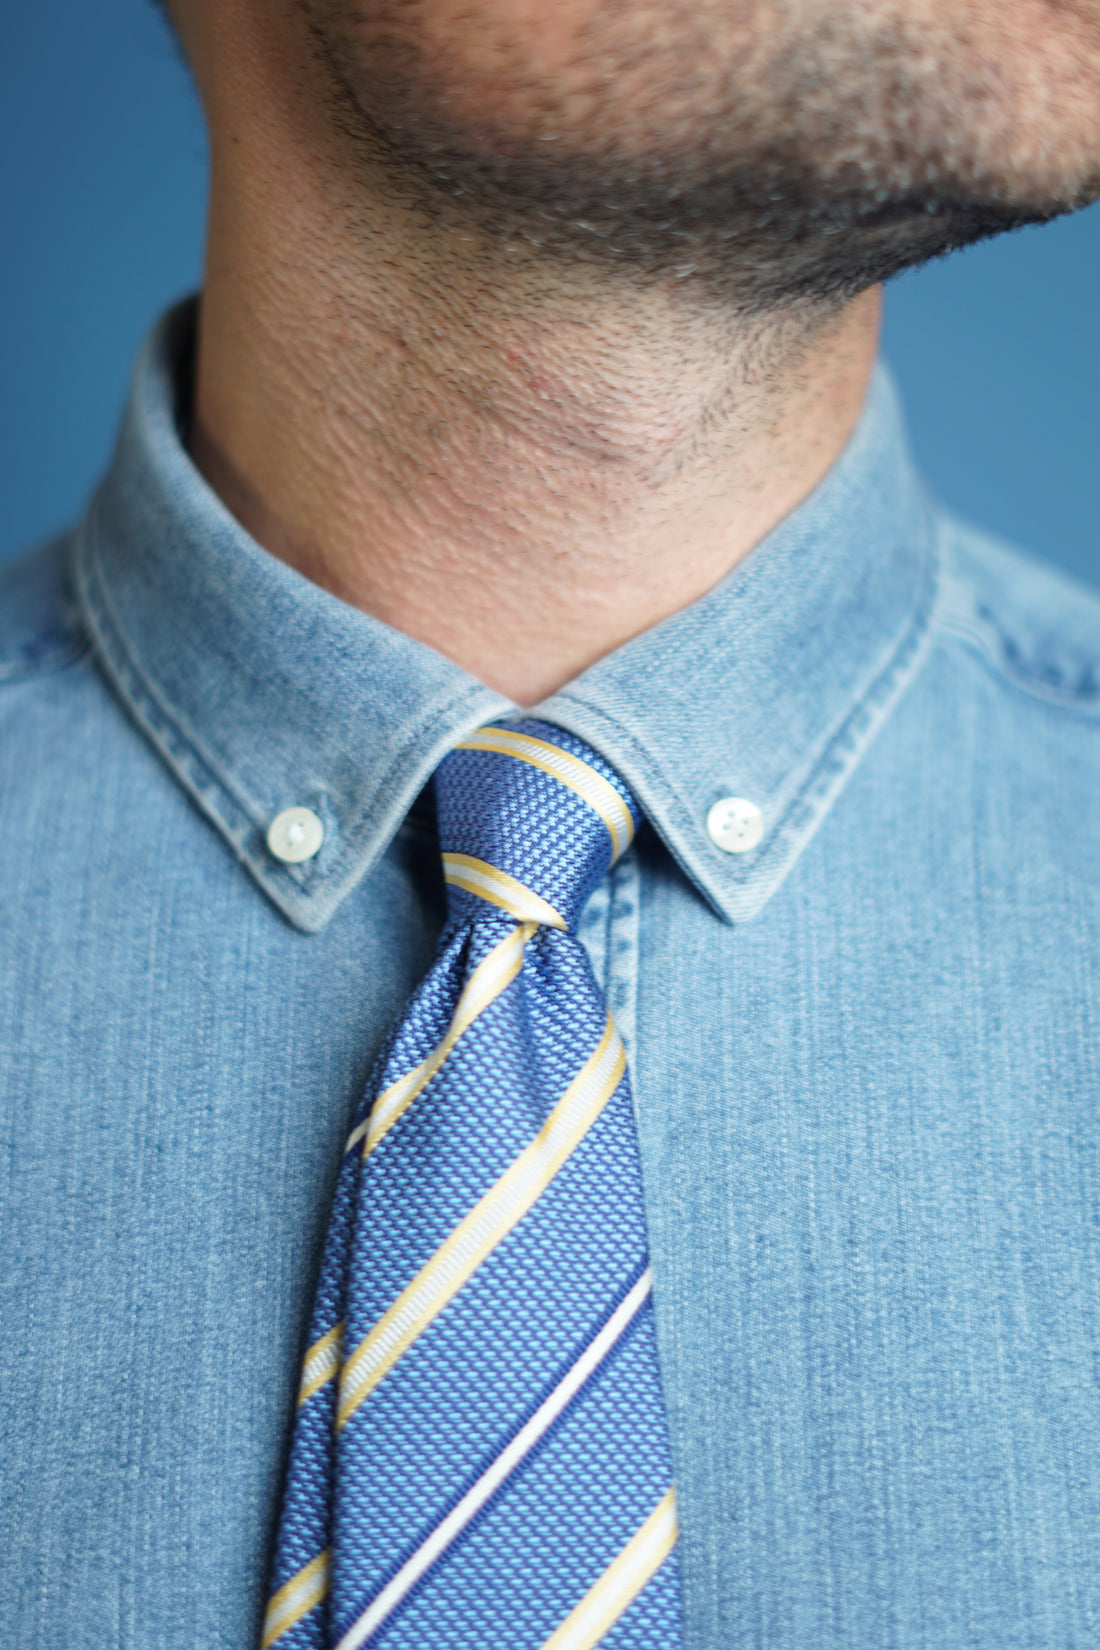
(103, 184)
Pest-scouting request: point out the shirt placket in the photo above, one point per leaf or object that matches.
(609, 932)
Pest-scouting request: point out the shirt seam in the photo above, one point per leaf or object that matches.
(49, 662)
(979, 641)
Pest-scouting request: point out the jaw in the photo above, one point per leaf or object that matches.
(768, 149)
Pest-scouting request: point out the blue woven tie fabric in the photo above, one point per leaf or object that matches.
(480, 1455)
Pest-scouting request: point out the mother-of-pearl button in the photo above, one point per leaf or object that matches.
(294, 835)
(735, 825)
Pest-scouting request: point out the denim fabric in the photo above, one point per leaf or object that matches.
(865, 1055)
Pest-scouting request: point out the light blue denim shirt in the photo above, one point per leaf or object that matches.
(866, 1053)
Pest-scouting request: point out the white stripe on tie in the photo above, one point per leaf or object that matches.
(505, 1464)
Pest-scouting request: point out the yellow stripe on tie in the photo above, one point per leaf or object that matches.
(488, 980)
(621, 1582)
(296, 1598)
(475, 1237)
(570, 770)
(321, 1363)
(477, 876)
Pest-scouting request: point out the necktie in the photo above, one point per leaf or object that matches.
(480, 1457)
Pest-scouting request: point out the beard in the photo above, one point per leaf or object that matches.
(763, 152)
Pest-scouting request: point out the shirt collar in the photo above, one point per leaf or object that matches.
(261, 691)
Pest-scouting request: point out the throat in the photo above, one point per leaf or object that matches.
(520, 477)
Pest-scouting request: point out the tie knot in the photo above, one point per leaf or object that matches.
(530, 820)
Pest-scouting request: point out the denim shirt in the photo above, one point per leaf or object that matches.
(865, 1053)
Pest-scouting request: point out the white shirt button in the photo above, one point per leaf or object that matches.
(294, 835)
(735, 825)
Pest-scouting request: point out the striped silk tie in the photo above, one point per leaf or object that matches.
(480, 1458)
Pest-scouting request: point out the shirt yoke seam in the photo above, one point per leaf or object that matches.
(49, 635)
(986, 644)
(43, 654)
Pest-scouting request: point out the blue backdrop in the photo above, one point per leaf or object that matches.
(997, 349)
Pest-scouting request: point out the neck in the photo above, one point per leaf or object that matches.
(518, 465)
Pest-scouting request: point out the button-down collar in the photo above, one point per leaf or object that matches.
(263, 692)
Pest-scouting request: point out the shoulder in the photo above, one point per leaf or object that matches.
(51, 692)
(40, 626)
(77, 779)
(1035, 627)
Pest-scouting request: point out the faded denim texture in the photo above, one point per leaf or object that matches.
(866, 1055)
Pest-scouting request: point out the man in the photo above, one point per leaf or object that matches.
(532, 391)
